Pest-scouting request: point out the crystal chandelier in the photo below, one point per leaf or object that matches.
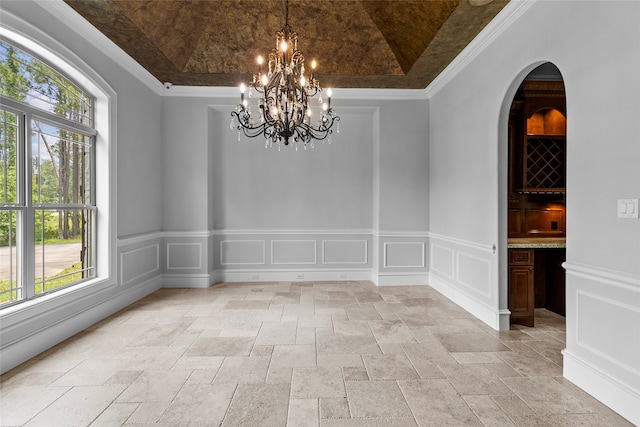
(285, 114)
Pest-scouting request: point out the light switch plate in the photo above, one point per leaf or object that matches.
(628, 208)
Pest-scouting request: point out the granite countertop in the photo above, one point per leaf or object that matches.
(537, 242)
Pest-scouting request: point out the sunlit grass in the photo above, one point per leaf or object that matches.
(65, 277)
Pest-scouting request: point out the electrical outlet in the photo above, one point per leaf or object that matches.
(300, 277)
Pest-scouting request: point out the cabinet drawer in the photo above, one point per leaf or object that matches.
(520, 257)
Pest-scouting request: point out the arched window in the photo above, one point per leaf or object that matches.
(47, 172)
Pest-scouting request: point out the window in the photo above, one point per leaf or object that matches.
(47, 173)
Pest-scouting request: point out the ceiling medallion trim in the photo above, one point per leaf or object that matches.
(285, 111)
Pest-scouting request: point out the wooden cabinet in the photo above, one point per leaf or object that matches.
(521, 286)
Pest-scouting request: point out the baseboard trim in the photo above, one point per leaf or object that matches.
(619, 397)
(400, 279)
(492, 317)
(33, 344)
(187, 281)
(290, 275)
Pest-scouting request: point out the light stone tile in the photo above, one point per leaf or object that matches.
(470, 342)
(277, 333)
(279, 374)
(124, 377)
(20, 404)
(262, 351)
(293, 356)
(79, 406)
(391, 331)
(91, 372)
(198, 362)
(352, 373)
(306, 336)
(160, 358)
(199, 403)
(303, 413)
(376, 399)
(363, 313)
(389, 367)
(369, 422)
(351, 327)
(259, 404)
(243, 370)
(347, 345)
(334, 408)
(148, 412)
(436, 400)
(202, 376)
(546, 396)
(530, 364)
(340, 360)
(317, 382)
(513, 406)
(476, 357)
(488, 411)
(241, 329)
(155, 386)
(222, 346)
(431, 353)
(116, 414)
(314, 321)
(475, 379)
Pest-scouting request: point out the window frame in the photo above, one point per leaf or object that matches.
(104, 238)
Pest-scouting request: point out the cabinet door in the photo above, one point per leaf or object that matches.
(521, 295)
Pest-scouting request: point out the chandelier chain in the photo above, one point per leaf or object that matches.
(286, 89)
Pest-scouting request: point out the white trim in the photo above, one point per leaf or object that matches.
(489, 315)
(352, 94)
(186, 281)
(139, 238)
(621, 279)
(422, 257)
(75, 21)
(618, 396)
(501, 22)
(315, 252)
(122, 261)
(366, 252)
(290, 231)
(168, 247)
(35, 342)
(264, 252)
(291, 275)
(468, 243)
(401, 279)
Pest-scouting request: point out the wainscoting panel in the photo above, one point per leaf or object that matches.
(404, 254)
(136, 264)
(474, 273)
(344, 252)
(603, 336)
(184, 256)
(402, 258)
(466, 273)
(293, 252)
(255, 255)
(242, 252)
(442, 260)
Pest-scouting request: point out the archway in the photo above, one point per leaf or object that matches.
(532, 159)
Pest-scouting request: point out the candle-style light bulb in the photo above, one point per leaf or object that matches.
(283, 46)
(265, 80)
(242, 88)
(260, 60)
(303, 81)
(313, 64)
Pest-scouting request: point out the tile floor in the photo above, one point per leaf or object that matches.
(301, 354)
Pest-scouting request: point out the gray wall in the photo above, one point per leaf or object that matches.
(468, 119)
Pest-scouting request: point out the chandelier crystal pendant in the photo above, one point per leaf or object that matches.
(285, 114)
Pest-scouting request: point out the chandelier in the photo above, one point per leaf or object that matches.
(285, 115)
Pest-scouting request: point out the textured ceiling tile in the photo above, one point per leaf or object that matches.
(357, 43)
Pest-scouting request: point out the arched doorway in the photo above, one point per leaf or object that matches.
(533, 199)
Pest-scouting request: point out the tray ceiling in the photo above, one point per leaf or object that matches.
(357, 43)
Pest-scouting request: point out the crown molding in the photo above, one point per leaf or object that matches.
(503, 20)
(338, 93)
(82, 27)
